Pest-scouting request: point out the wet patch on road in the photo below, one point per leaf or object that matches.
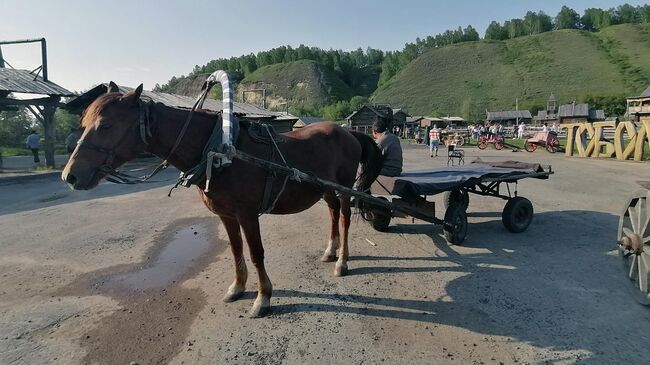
(156, 312)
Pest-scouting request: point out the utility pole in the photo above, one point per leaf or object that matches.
(517, 111)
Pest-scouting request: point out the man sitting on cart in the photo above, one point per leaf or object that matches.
(391, 150)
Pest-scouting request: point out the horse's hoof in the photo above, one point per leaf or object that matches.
(328, 258)
(261, 308)
(341, 269)
(233, 294)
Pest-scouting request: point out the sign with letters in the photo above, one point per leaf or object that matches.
(586, 139)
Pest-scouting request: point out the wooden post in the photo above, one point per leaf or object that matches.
(44, 58)
(2, 60)
(48, 124)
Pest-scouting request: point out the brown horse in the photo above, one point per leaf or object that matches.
(112, 137)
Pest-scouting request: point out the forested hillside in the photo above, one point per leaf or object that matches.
(598, 57)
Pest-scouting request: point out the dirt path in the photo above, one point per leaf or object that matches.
(118, 274)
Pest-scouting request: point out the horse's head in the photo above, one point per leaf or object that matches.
(112, 137)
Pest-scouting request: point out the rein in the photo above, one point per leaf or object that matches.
(144, 122)
(115, 176)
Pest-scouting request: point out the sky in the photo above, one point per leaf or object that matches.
(146, 41)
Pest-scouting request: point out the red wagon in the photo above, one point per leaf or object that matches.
(547, 140)
(487, 138)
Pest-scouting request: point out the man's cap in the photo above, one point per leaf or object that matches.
(379, 127)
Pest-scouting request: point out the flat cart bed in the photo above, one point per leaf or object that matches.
(407, 195)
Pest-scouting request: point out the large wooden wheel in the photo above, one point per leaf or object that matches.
(634, 244)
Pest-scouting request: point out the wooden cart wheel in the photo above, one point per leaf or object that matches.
(456, 197)
(551, 148)
(461, 141)
(455, 226)
(517, 214)
(634, 244)
(530, 147)
(381, 217)
(482, 145)
(498, 145)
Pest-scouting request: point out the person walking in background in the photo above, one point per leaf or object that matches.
(434, 140)
(545, 127)
(33, 143)
(520, 130)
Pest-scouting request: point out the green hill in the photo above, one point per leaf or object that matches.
(306, 83)
(468, 78)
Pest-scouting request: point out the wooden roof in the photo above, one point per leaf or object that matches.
(179, 101)
(23, 81)
(574, 110)
(509, 115)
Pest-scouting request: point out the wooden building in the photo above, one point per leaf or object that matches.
(510, 117)
(570, 113)
(280, 121)
(425, 122)
(305, 121)
(366, 116)
(638, 108)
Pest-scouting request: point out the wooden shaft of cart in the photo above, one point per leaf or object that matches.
(300, 176)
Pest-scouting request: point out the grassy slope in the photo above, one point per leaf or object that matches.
(302, 82)
(468, 78)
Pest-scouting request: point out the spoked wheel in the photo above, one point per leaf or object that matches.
(552, 148)
(634, 244)
(380, 217)
(498, 145)
(530, 147)
(455, 226)
(517, 214)
(460, 142)
(482, 145)
(456, 197)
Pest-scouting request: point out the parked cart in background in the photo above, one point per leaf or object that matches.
(546, 140)
(491, 138)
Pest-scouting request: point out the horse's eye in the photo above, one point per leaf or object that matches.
(104, 127)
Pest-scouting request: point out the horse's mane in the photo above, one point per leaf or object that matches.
(91, 113)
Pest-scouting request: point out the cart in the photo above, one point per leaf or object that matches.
(491, 138)
(407, 195)
(634, 242)
(547, 140)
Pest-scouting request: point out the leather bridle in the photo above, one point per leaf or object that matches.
(144, 127)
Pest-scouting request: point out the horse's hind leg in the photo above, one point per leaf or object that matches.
(341, 268)
(238, 286)
(262, 305)
(335, 211)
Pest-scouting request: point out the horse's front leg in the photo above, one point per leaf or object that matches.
(335, 211)
(341, 268)
(238, 286)
(251, 227)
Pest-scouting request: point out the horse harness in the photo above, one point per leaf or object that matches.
(144, 128)
(260, 133)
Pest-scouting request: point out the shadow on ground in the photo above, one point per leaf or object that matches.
(557, 286)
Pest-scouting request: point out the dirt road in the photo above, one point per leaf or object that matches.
(125, 274)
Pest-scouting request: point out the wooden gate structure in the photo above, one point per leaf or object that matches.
(32, 83)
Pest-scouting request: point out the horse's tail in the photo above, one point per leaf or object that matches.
(371, 161)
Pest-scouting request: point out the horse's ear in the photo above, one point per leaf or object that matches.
(134, 95)
(113, 88)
